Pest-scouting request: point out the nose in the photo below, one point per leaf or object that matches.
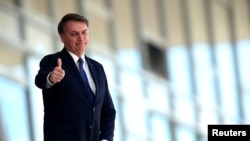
(80, 37)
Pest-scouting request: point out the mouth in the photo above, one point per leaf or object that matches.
(81, 43)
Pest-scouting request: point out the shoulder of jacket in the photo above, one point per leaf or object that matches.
(93, 61)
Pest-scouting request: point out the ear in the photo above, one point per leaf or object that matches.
(62, 37)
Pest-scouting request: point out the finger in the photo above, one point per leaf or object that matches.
(59, 63)
(58, 73)
(56, 78)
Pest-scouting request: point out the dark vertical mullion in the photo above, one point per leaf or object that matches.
(112, 34)
(52, 16)
(248, 11)
(138, 27)
(51, 10)
(22, 35)
(163, 31)
(80, 6)
(138, 32)
(188, 41)
(211, 41)
(162, 18)
(233, 40)
(2, 131)
(111, 26)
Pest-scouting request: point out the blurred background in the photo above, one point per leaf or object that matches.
(173, 66)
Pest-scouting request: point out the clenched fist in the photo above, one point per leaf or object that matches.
(58, 73)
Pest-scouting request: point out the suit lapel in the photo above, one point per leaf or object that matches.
(93, 71)
(67, 61)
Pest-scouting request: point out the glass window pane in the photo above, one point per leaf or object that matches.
(160, 130)
(36, 99)
(187, 114)
(118, 126)
(129, 58)
(158, 96)
(204, 74)
(207, 116)
(244, 57)
(246, 106)
(185, 134)
(135, 118)
(227, 81)
(14, 111)
(179, 74)
(131, 84)
(134, 137)
(243, 47)
(108, 66)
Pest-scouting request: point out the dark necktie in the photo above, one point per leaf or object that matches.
(85, 79)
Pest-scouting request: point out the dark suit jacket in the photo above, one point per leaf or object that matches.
(69, 115)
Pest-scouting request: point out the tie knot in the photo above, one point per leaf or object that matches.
(80, 61)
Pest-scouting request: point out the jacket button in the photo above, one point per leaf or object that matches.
(93, 109)
(90, 127)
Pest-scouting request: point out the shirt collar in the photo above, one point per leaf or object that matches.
(75, 58)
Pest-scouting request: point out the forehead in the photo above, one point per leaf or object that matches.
(75, 26)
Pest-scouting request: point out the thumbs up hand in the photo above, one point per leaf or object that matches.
(58, 73)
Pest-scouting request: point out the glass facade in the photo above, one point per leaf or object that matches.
(204, 79)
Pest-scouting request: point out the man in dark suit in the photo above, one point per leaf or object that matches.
(75, 110)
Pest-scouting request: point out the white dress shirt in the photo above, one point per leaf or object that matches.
(86, 69)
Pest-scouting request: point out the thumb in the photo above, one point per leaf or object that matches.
(59, 63)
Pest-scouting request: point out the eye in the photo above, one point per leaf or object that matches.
(85, 33)
(73, 34)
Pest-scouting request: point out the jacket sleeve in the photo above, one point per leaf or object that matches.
(108, 115)
(46, 65)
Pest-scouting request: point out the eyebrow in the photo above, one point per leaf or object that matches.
(80, 31)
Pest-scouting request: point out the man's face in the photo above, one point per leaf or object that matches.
(75, 37)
